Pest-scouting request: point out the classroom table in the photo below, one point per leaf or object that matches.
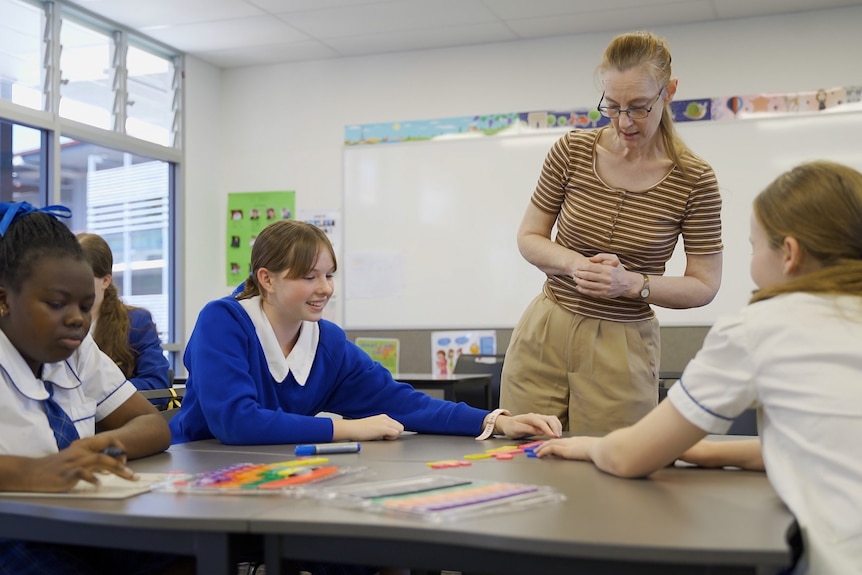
(449, 384)
(213, 529)
(680, 520)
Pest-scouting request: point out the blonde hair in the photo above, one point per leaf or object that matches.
(285, 245)
(112, 328)
(820, 205)
(649, 52)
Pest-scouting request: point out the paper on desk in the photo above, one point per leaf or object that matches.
(112, 487)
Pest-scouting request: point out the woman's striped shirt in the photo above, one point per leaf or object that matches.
(640, 227)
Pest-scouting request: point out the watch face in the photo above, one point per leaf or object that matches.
(645, 293)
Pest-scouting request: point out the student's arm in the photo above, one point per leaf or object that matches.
(647, 446)
(742, 453)
(138, 426)
(151, 365)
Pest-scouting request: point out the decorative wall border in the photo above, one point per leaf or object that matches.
(697, 110)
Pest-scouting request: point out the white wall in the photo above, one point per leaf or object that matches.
(201, 211)
(282, 126)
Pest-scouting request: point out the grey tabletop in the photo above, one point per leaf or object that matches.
(680, 520)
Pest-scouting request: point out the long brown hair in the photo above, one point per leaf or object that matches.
(285, 245)
(112, 326)
(650, 52)
(820, 205)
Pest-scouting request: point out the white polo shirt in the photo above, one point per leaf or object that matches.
(24, 428)
(800, 356)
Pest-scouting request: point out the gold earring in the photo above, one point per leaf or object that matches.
(3, 311)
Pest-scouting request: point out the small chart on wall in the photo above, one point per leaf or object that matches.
(430, 227)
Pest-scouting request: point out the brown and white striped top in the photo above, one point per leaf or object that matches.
(640, 227)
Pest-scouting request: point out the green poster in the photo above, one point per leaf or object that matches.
(381, 350)
(247, 214)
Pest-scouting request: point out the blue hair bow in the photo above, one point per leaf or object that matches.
(12, 210)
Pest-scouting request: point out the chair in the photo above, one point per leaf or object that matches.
(488, 363)
(173, 395)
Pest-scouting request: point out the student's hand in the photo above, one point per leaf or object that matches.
(568, 448)
(367, 429)
(528, 424)
(82, 460)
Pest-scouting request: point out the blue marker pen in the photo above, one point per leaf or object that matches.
(113, 451)
(324, 448)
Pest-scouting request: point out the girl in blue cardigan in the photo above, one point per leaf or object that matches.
(262, 363)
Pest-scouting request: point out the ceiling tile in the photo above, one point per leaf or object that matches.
(609, 20)
(283, 6)
(260, 55)
(422, 39)
(389, 17)
(747, 8)
(137, 14)
(237, 33)
(514, 9)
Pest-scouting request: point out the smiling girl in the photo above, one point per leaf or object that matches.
(262, 363)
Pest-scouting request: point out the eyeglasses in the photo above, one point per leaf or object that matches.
(636, 113)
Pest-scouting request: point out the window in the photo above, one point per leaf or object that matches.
(151, 110)
(102, 139)
(86, 85)
(124, 198)
(22, 158)
(21, 53)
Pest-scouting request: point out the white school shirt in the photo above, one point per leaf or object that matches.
(800, 356)
(301, 357)
(24, 428)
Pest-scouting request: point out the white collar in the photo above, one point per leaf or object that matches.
(301, 357)
(18, 373)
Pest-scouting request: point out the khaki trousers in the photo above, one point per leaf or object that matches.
(595, 375)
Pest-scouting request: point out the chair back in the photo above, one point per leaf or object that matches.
(158, 397)
(482, 363)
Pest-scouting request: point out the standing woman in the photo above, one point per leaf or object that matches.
(587, 348)
(126, 333)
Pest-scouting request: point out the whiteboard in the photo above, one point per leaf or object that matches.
(440, 218)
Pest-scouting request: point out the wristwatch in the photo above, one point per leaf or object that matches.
(645, 287)
(489, 424)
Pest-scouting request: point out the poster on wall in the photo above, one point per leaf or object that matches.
(330, 222)
(383, 350)
(247, 214)
(448, 346)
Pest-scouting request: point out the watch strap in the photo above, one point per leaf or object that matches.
(645, 291)
(489, 423)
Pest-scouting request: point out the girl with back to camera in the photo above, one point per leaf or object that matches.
(587, 348)
(795, 349)
(126, 333)
(62, 400)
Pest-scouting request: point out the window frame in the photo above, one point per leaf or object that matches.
(55, 127)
